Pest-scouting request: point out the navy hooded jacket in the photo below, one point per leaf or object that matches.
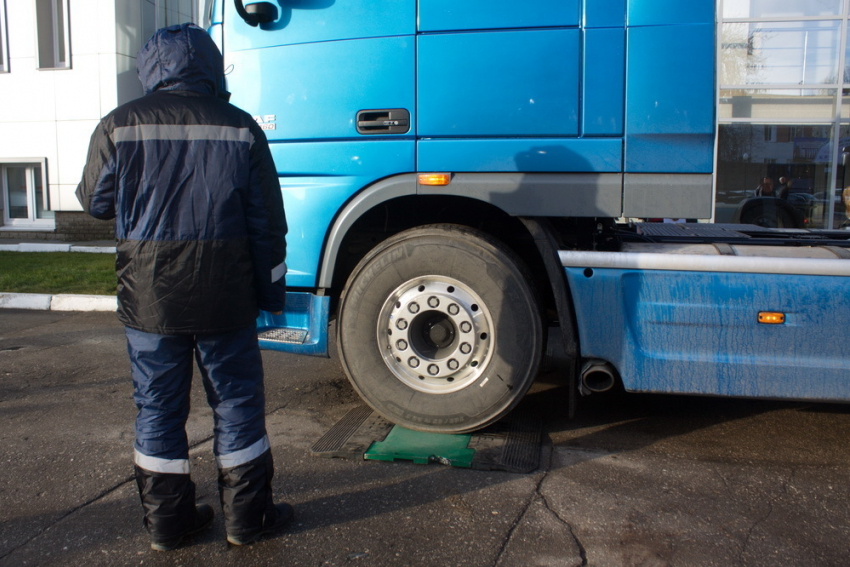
(191, 183)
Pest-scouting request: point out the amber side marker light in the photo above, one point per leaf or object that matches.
(771, 317)
(435, 179)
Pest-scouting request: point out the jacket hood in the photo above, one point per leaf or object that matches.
(181, 58)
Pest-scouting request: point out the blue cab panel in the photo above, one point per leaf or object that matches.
(322, 20)
(670, 99)
(317, 179)
(667, 12)
(698, 333)
(604, 13)
(603, 82)
(538, 155)
(322, 103)
(483, 84)
(442, 15)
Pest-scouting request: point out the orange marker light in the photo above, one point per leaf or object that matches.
(435, 178)
(771, 317)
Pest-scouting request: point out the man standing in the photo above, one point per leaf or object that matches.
(200, 230)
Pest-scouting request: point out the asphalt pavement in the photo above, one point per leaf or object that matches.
(631, 480)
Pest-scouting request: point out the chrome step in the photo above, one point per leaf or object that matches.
(288, 336)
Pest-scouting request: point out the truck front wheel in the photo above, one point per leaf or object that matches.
(439, 329)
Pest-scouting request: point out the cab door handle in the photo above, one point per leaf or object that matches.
(383, 121)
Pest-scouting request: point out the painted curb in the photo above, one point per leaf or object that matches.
(58, 302)
(34, 247)
(94, 249)
(31, 247)
(67, 302)
(25, 301)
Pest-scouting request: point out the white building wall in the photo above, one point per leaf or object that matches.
(51, 113)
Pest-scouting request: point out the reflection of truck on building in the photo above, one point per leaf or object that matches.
(452, 172)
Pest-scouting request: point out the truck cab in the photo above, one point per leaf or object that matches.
(435, 157)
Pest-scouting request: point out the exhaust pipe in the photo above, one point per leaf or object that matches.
(597, 376)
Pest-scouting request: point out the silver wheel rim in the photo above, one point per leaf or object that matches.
(435, 334)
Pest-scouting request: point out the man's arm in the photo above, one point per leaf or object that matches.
(96, 191)
(266, 226)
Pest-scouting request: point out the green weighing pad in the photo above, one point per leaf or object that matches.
(512, 444)
(422, 448)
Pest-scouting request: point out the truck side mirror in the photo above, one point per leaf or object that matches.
(256, 13)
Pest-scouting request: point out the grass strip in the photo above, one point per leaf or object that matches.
(57, 272)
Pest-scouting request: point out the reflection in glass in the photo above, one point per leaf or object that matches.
(780, 8)
(779, 53)
(797, 104)
(841, 197)
(16, 189)
(795, 161)
(42, 201)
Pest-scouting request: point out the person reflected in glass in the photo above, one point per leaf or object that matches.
(765, 188)
(784, 187)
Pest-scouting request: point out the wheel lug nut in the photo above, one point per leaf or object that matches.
(452, 364)
(454, 309)
(433, 302)
(433, 369)
(413, 307)
(466, 326)
(413, 362)
(401, 324)
(401, 344)
(465, 348)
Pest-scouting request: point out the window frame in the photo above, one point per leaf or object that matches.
(60, 44)
(32, 220)
(4, 39)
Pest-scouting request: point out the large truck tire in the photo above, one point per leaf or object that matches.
(439, 329)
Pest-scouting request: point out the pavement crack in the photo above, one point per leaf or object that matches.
(582, 551)
(535, 496)
(752, 529)
(538, 496)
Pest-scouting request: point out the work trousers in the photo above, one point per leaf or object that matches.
(231, 368)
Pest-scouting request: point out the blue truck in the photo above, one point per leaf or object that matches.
(461, 181)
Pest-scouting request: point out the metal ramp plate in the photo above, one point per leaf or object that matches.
(288, 336)
(511, 445)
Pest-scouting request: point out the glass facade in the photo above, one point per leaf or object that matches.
(783, 112)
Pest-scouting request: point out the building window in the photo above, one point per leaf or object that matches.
(4, 45)
(53, 40)
(26, 200)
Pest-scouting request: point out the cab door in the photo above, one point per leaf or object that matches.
(309, 78)
(498, 86)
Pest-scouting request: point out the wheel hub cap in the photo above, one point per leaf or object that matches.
(435, 334)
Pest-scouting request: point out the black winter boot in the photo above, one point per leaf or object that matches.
(170, 511)
(246, 499)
